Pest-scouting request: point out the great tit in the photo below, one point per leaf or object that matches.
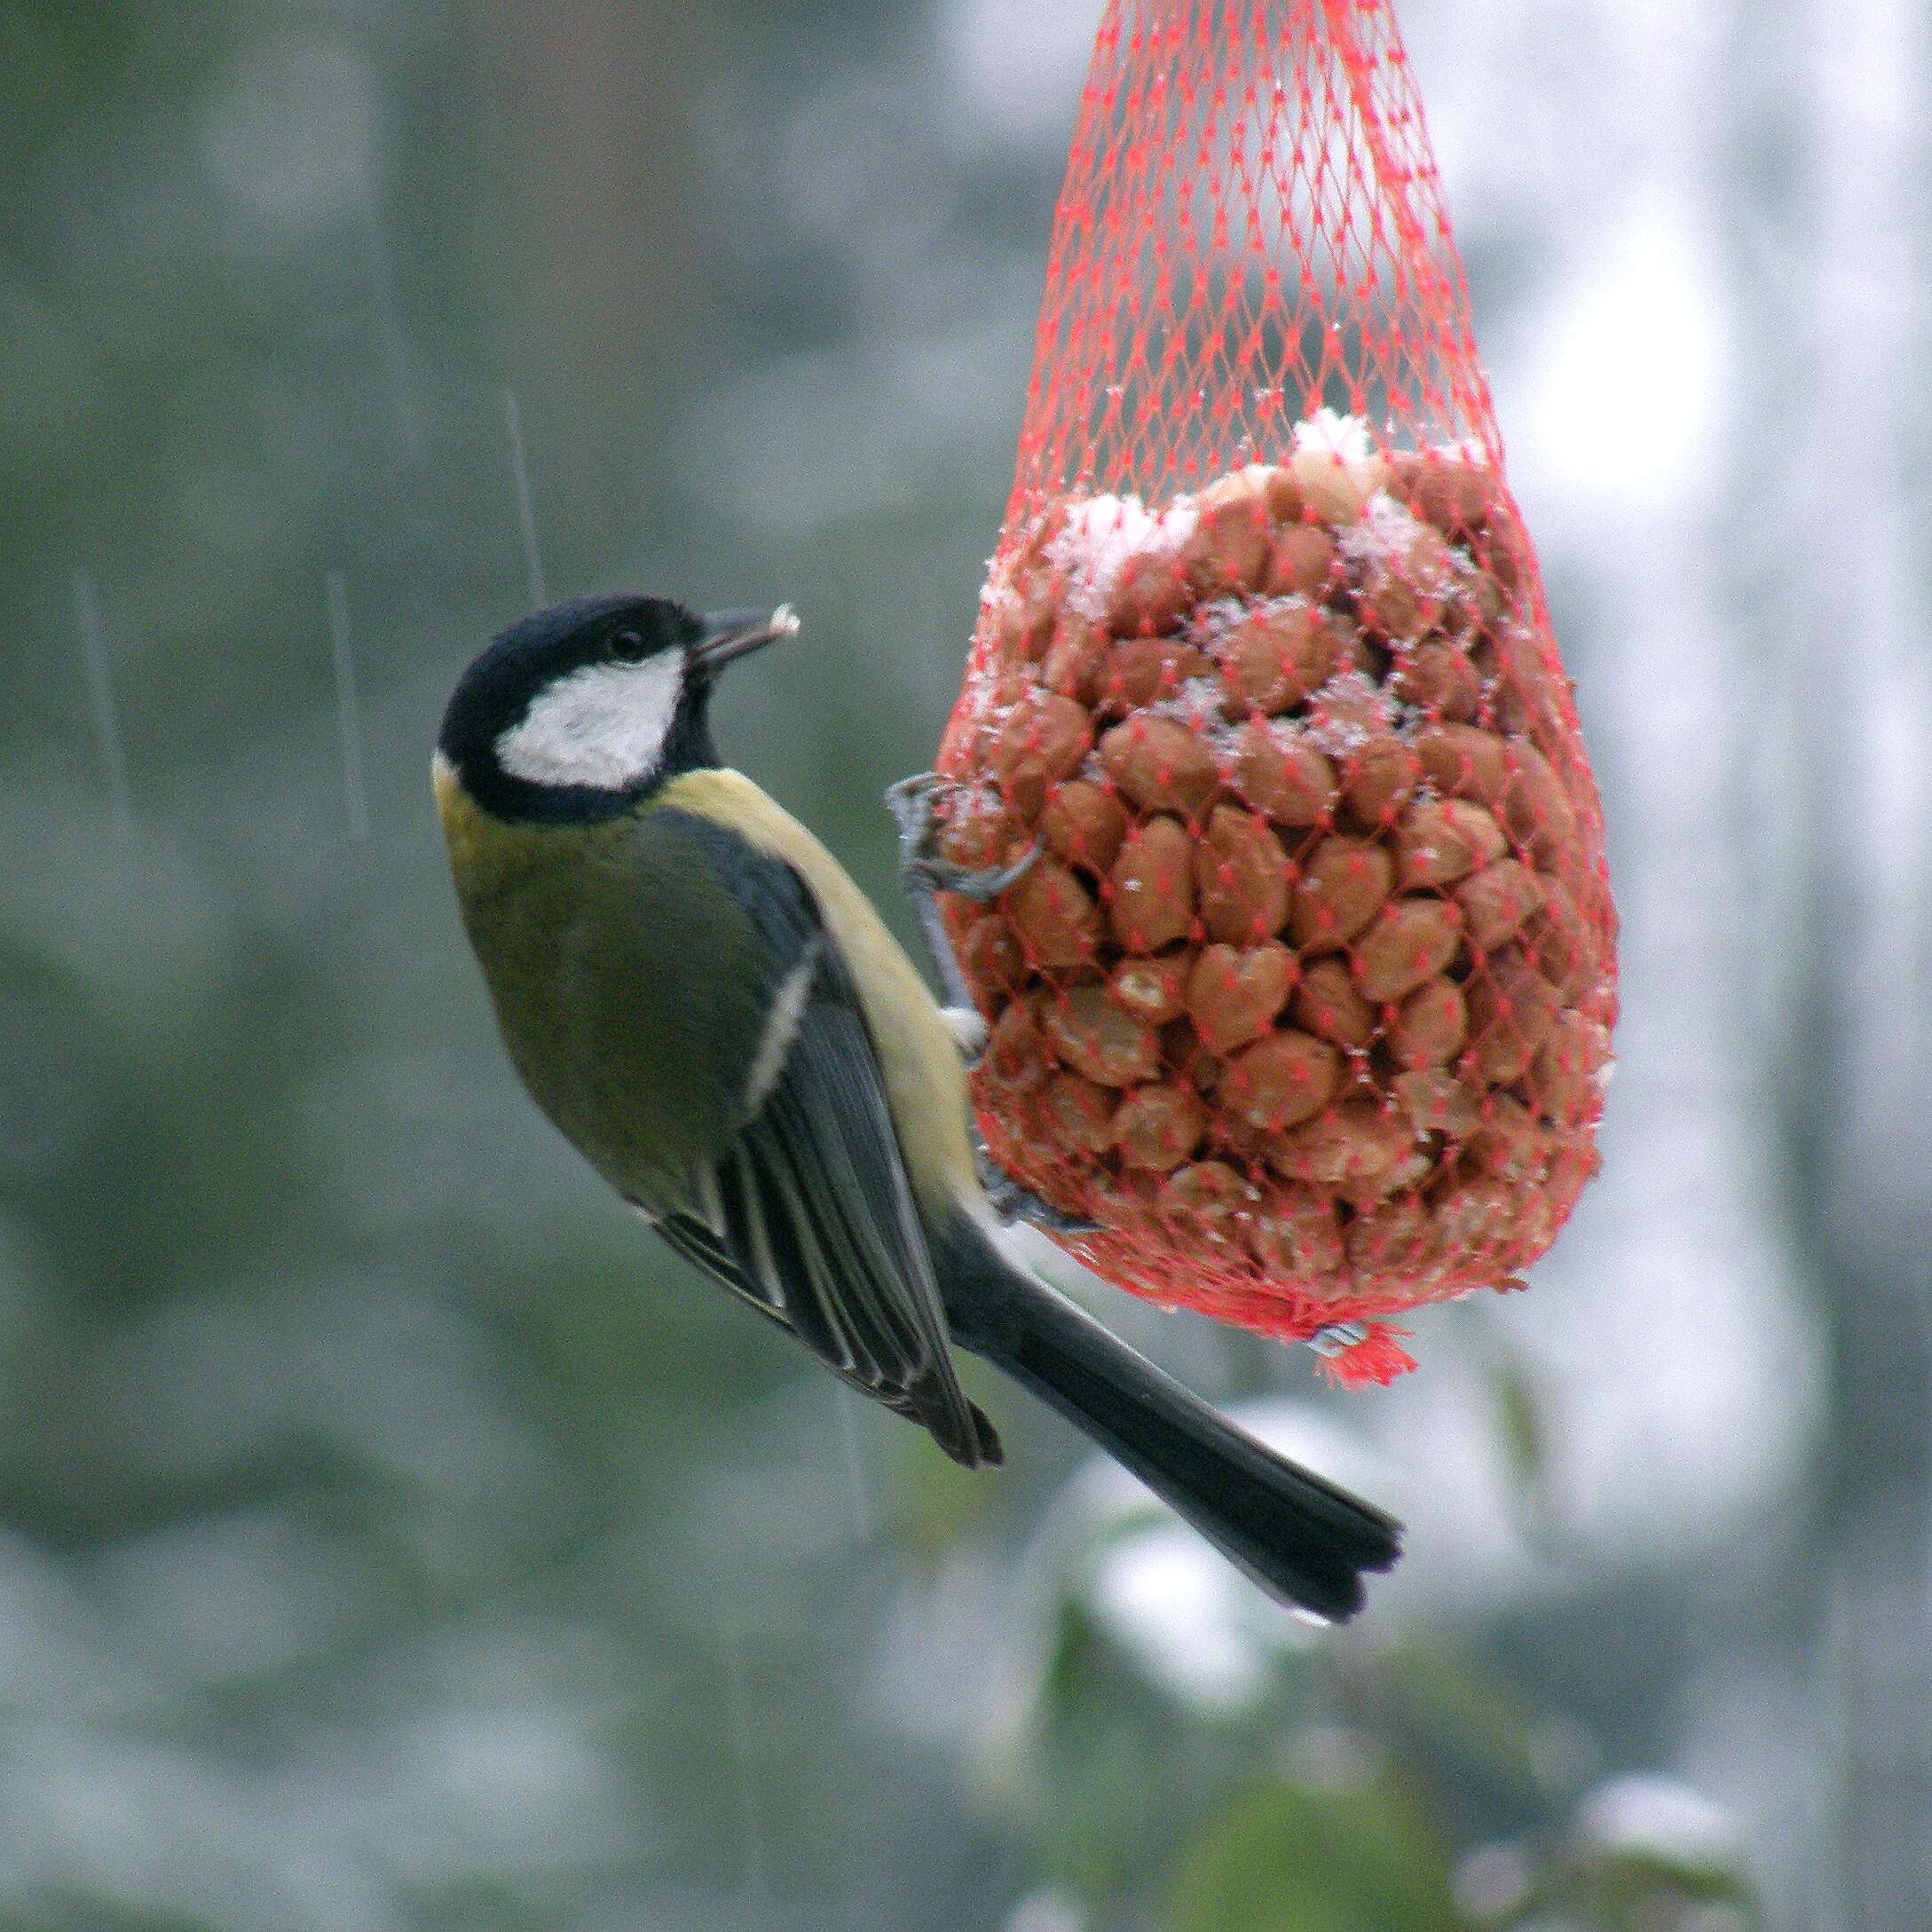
(716, 1017)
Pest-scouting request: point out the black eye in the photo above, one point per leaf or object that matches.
(628, 645)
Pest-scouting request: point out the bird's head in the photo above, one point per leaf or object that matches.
(580, 710)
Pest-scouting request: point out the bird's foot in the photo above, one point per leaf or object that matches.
(1012, 1202)
(912, 803)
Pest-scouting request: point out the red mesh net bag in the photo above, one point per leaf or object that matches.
(1306, 1001)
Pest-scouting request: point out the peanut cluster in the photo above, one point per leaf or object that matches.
(1306, 999)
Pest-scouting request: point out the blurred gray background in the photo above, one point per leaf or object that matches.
(390, 1537)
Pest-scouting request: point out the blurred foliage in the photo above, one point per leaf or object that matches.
(1282, 1857)
(1378, 1758)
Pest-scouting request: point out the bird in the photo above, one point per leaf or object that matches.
(712, 1013)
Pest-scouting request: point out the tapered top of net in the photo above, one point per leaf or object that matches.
(1251, 229)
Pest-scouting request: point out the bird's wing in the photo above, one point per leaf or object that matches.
(808, 1215)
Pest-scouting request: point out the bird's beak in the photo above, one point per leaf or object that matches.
(731, 634)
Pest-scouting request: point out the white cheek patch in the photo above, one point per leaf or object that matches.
(604, 725)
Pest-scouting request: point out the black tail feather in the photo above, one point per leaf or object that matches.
(1301, 1538)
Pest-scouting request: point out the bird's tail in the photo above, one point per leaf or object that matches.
(1298, 1536)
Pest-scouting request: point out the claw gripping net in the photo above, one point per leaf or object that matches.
(1307, 1000)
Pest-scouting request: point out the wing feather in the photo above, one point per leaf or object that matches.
(808, 1215)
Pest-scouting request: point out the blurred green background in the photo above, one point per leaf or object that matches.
(392, 1537)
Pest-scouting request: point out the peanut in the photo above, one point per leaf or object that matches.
(1440, 679)
(1151, 990)
(1497, 902)
(1138, 670)
(1016, 1054)
(1054, 915)
(1160, 764)
(1430, 1025)
(1241, 1139)
(1402, 594)
(1040, 740)
(1329, 1005)
(1435, 1101)
(1278, 773)
(1503, 549)
(1346, 1145)
(1209, 1195)
(1229, 549)
(1395, 1241)
(1478, 1211)
(1077, 1113)
(1148, 597)
(1341, 889)
(1034, 537)
(1275, 657)
(1084, 823)
(990, 957)
(1407, 942)
(1150, 902)
(1240, 873)
(1455, 496)
(1525, 698)
(1413, 1171)
(980, 832)
(1510, 1143)
(1334, 488)
(1440, 840)
(1283, 494)
(1301, 562)
(1284, 1078)
(1022, 625)
(1381, 778)
(1562, 948)
(1233, 996)
(1296, 1232)
(1097, 1039)
(1379, 771)
(1512, 1010)
(1464, 761)
(1562, 1079)
(1475, 606)
(1158, 1126)
(1074, 657)
(1537, 806)
(1352, 721)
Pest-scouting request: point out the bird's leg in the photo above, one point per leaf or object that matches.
(925, 875)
